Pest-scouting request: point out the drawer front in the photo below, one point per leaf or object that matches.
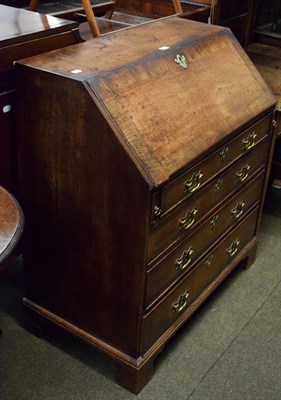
(178, 301)
(171, 229)
(200, 174)
(180, 260)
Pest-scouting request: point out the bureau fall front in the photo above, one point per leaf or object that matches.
(142, 165)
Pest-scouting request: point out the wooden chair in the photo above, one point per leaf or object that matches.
(88, 9)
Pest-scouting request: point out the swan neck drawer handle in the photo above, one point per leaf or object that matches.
(188, 220)
(249, 141)
(192, 184)
(232, 250)
(181, 303)
(183, 262)
(243, 174)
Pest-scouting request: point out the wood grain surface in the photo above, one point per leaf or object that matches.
(204, 99)
(11, 224)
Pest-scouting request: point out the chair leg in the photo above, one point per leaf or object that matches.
(178, 7)
(110, 12)
(33, 5)
(91, 18)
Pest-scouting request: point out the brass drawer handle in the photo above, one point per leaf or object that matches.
(213, 221)
(249, 141)
(243, 174)
(190, 185)
(188, 220)
(232, 250)
(179, 305)
(183, 262)
(237, 211)
(223, 153)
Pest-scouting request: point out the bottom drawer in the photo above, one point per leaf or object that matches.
(177, 302)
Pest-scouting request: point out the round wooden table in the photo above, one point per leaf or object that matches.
(11, 227)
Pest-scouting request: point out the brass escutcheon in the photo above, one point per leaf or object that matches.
(249, 141)
(232, 250)
(180, 59)
(183, 262)
(213, 221)
(209, 260)
(188, 220)
(218, 185)
(243, 174)
(179, 305)
(223, 153)
(190, 185)
(237, 211)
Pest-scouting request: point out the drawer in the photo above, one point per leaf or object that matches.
(199, 175)
(194, 209)
(171, 268)
(177, 303)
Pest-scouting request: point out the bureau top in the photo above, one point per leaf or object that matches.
(17, 25)
(165, 113)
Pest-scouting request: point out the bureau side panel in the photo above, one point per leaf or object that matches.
(86, 211)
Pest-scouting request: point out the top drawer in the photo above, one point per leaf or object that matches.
(200, 174)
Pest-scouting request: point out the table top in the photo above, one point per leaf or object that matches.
(11, 224)
(17, 23)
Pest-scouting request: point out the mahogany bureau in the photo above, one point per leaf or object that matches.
(142, 170)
